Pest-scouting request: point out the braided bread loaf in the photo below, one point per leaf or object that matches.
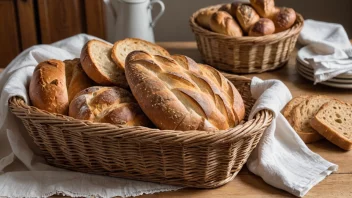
(178, 94)
(108, 105)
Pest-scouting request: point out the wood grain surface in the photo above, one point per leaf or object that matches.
(95, 18)
(248, 185)
(27, 24)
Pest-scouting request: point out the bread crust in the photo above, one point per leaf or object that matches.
(223, 23)
(288, 109)
(246, 16)
(92, 69)
(284, 19)
(262, 27)
(329, 133)
(203, 19)
(47, 89)
(265, 8)
(169, 92)
(112, 105)
(115, 49)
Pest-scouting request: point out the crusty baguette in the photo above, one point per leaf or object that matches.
(112, 105)
(98, 65)
(287, 111)
(47, 89)
(122, 48)
(303, 113)
(76, 78)
(181, 94)
(334, 122)
(223, 23)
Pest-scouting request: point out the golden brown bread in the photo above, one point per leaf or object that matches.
(97, 63)
(203, 19)
(284, 19)
(76, 78)
(262, 27)
(246, 16)
(47, 89)
(226, 8)
(108, 105)
(179, 94)
(223, 23)
(265, 8)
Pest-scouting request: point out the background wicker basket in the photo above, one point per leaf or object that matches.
(245, 54)
(185, 158)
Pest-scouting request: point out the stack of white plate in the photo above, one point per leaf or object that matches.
(304, 69)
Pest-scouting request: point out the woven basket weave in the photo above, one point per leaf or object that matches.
(245, 54)
(185, 158)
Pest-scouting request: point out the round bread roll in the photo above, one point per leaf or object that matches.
(246, 16)
(265, 8)
(108, 105)
(223, 23)
(178, 94)
(284, 19)
(47, 89)
(262, 27)
(203, 18)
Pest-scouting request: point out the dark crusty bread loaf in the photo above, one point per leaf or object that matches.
(76, 78)
(47, 89)
(179, 94)
(303, 113)
(334, 122)
(98, 65)
(123, 47)
(284, 19)
(246, 16)
(262, 27)
(108, 105)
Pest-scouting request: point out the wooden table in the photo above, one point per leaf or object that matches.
(246, 184)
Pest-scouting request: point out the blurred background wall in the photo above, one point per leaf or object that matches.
(173, 26)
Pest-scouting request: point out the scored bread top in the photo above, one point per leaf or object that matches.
(122, 48)
(108, 105)
(304, 112)
(47, 89)
(334, 122)
(98, 65)
(179, 94)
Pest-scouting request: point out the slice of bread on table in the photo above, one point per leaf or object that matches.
(123, 47)
(98, 65)
(303, 113)
(287, 111)
(334, 122)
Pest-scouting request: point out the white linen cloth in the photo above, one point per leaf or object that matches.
(331, 46)
(280, 158)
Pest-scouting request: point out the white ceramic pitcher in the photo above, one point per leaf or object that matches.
(134, 18)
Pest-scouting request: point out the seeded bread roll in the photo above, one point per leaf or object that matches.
(47, 89)
(223, 23)
(97, 63)
(246, 16)
(179, 94)
(284, 19)
(262, 27)
(108, 105)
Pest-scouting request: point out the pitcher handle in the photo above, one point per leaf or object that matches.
(162, 10)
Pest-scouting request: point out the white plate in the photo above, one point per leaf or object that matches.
(307, 52)
(330, 84)
(333, 80)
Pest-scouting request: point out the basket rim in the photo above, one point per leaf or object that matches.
(295, 29)
(144, 134)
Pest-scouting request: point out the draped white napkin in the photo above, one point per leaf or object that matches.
(331, 49)
(281, 158)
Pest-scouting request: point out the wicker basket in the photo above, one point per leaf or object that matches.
(245, 54)
(185, 158)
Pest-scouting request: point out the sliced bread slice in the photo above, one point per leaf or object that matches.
(334, 122)
(287, 111)
(98, 65)
(123, 47)
(303, 113)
